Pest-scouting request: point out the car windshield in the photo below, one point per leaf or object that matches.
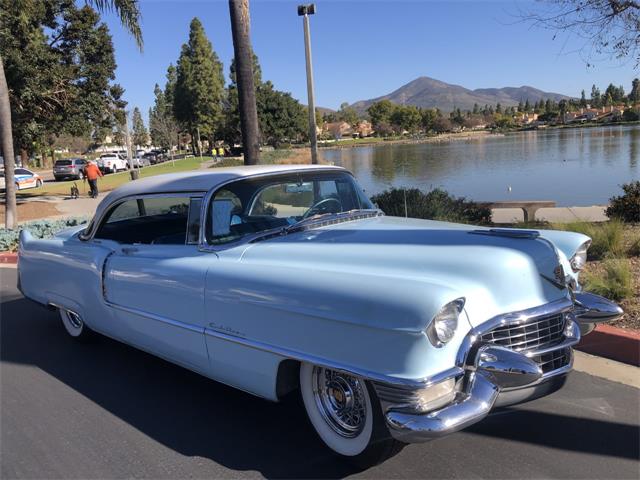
(62, 162)
(252, 206)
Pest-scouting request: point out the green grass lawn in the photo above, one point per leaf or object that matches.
(114, 180)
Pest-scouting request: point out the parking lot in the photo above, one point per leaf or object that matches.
(104, 410)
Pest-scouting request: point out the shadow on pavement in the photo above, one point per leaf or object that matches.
(199, 417)
(180, 409)
(585, 435)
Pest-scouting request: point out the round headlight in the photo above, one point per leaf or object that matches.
(579, 258)
(443, 326)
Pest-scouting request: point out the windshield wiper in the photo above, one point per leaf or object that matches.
(321, 218)
(333, 218)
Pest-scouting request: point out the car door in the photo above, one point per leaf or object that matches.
(154, 280)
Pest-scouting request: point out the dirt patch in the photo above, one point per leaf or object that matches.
(32, 211)
(631, 305)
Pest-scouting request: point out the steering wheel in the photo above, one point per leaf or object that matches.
(322, 205)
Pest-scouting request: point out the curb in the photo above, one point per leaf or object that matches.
(615, 343)
(8, 258)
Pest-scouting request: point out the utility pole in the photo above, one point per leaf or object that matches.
(304, 11)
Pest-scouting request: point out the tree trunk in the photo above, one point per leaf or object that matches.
(243, 54)
(6, 137)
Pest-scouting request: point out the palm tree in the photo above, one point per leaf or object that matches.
(129, 14)
(243, 54)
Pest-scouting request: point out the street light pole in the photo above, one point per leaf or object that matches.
(304, 11)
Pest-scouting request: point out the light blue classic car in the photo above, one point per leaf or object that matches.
(280, 278)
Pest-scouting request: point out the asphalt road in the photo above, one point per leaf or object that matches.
(105, 410)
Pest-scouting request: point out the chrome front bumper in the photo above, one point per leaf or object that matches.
(491, 376)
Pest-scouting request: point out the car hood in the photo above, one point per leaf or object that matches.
(495, 273)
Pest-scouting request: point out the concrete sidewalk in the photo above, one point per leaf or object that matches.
(554, 215)
(85, 207)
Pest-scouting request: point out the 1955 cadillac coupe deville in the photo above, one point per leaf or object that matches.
(277, 278)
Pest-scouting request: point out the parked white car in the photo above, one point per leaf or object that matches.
(112, 163)
(24, 179)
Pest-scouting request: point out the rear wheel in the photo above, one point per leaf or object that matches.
(74, 325)
(80, 175)
(346, 414)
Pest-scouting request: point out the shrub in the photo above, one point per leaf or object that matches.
(634, 248)
(436, 204)
(607, 238)
(615, 283)
(626, 207)
(39, 229)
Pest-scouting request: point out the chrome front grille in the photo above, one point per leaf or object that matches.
(539, 333)
(553, 360)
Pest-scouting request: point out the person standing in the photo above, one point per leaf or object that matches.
(92, 172)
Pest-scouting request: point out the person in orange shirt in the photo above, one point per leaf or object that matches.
(92, 172)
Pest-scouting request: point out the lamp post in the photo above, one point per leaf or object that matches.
(304, 11)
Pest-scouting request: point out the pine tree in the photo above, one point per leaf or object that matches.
(527, 106)
(199, 85)
(140, 134)
(634, 95)
(596, 99)
(583, 99)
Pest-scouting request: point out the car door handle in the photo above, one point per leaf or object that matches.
(129, 250)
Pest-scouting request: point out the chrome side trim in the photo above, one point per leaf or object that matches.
(323, 362)
(158, 318)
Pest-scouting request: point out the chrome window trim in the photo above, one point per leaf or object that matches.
(94, 225)
(205, 246)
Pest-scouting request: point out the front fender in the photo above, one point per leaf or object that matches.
(363, 322)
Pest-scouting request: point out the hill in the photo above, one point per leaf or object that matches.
(428, 92)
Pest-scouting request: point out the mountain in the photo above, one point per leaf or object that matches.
(431, 93)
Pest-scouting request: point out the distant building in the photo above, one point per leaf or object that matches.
(339, 130)
(364, 129)
(525, 118)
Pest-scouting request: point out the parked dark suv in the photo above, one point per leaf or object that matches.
(69, 168)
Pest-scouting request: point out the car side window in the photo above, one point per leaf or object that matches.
(21, 171)
(151, 220)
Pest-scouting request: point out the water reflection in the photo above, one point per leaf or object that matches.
(581, 166)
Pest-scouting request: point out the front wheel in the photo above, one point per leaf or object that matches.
(38, 183)
(346, 414)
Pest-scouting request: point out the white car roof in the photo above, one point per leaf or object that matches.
(199, 181)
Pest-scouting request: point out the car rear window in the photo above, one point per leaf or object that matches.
(62, 162)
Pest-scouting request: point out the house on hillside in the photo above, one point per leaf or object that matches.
(339, 130)
(364, 129)
(525, 118)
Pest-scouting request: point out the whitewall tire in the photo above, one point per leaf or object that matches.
(346, 414)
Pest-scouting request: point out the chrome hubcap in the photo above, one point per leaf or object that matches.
(341, 401)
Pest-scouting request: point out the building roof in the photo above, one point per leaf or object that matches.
(199, 180)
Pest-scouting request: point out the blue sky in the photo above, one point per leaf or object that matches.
(364, 49)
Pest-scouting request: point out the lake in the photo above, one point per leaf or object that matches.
(572, 166)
